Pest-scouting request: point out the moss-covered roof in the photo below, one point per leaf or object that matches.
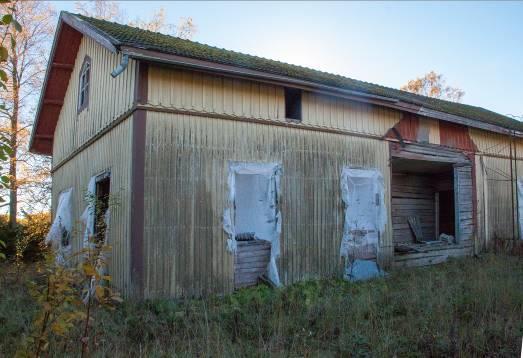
(123, 35)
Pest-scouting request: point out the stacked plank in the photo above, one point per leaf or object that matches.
(250, 262)
(412, 195)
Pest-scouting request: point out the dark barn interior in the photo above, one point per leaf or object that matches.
(422, 196)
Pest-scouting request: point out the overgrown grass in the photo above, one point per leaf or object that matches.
(470, 307)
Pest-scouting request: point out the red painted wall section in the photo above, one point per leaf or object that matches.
(408, 127)
(455, 136)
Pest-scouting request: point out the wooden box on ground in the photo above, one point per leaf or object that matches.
(250, 262)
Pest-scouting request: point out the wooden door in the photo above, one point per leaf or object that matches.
(463, 202)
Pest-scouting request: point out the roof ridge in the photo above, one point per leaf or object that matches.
(343, 77)
(153, 40)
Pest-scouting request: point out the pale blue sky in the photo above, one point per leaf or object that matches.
(478, 46)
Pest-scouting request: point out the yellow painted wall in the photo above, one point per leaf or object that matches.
(109, 98)
(214, 94)
(186, 190)
(112, 152)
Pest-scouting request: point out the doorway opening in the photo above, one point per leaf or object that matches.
(253, 221)
(101, 219)
(423, 202)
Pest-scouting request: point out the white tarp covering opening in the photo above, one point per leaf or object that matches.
(88, 220)
(59, 235)
(362, 192)
(253, 207)
(520, 208)
(88, 215)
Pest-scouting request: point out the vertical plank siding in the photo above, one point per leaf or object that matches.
(108, 99)
(206, 93)
(463, 202)
(186, 191)
(499, 212)
(493, 172)
(186, 169)
(412, 195)
(111, 152)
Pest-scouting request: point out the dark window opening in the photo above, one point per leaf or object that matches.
(83, 84)
(293, 104)
(103, 188)
(446, 213)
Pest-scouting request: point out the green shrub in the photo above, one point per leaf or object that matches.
(26, 241)
(465, 307)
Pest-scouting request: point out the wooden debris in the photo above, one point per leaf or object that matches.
(415, 226)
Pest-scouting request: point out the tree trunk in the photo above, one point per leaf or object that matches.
(13, 143)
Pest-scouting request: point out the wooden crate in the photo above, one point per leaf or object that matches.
(250, 262)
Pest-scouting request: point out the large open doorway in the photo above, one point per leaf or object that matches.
(422, 200)
(432, 206)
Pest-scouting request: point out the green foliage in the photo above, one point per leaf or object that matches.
(469, 307)
(7, 20)
(65, 297)
(25, 242)
(5, 147)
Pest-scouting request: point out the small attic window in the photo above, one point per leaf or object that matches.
(83, 84)
(293, 104)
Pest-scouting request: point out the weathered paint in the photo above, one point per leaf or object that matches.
(431, 128)
(137, 183)
(495, 144)
(495, 195)
(74, 129)
(455, 136)
(214, 94)
(111, 152)
(186, 190)
(407, 128)
(182, 251)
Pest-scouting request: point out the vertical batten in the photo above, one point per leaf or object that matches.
(187, 166)
(110, 152)
(207, 93)
(75, 129)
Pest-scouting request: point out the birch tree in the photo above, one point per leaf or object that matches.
(111, 11)
(24, 68)
(433, 85)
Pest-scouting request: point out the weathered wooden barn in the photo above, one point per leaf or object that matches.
(207, 149)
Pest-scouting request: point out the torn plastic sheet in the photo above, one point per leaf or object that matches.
(87, 217)
(362, 192)
(362, 270)
(253, 207)
(520, 208)
(59, 235)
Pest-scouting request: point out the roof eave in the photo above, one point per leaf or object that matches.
(84, 28)
(208, 66)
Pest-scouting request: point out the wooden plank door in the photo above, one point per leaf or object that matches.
(463, 203)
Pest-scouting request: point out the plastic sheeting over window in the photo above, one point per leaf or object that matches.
(253, 207)
(88, 215)
(362, 192)
(59, 235)
(88, 219)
